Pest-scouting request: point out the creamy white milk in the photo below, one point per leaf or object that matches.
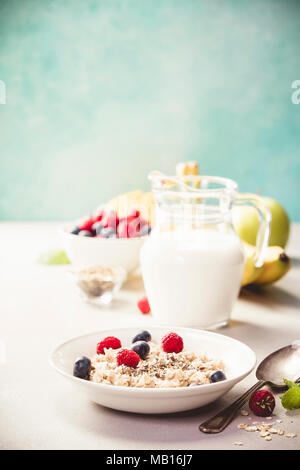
(192, 278)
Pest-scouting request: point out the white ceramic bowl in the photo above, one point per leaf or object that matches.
(239, 361)
(89, 251)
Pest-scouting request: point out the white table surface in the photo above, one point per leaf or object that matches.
(40, 308)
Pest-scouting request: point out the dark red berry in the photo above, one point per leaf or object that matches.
(109, 343)
(172, 343)
(128, 358)
(262, 403)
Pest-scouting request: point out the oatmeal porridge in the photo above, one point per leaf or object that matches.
(146, 364)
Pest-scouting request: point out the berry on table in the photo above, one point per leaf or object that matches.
(82, 368)
(142, 348)
(110, 342)
(217, 376)
(128, 358)
(262, 403)
(142, 336)
(172, 343)
(143, 305)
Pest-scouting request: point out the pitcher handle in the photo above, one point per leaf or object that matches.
(265, 217)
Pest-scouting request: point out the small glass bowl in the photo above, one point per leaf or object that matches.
(99, 284)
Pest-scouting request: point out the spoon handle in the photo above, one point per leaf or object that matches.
(219, 422)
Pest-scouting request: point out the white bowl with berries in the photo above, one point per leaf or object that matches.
(106, 239)
(163, 370)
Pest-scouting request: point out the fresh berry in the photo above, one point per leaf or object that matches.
(142, 336)
(143, 305)
(134, 228)
(85, 233)
(145, 230)
(128, 358)
(262, 403)
(142, 348)
(97, 228)
(109, 343)
(217, 376)
(110, 219)
(122, 229)
(108, 232)
(98, 214)
(82, 368)
(75, 231)
(134, 213)
(86, 224)
(172, 343)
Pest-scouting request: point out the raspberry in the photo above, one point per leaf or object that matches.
(98, 214)
(86, 224)
(143, 305)
(110, 219)
(134, 213)
(172, 343)
(262, 403)
(109, 343)
(128, 358)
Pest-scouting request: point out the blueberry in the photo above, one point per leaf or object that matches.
(217, 376)
(145, 230)
(75, 231)
(85, 233)
(142, 336)
(142, 348)
(82, 368)
(96, 228)
(108, 232)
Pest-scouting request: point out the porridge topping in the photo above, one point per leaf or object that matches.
(148, 365)
(108, 343)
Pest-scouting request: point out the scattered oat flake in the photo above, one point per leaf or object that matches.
(244, 412)
(250, 428)
(264, 433)
(242, 425)
(280, 432)
(238, 443)
(278, 420)
(269, 417)
(290, 434)
(273, 431)
(268, 438)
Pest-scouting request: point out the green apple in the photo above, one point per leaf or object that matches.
(246, 223)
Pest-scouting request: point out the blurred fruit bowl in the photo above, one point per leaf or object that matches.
(110, 252)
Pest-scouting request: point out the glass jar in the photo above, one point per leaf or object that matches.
(192, 264)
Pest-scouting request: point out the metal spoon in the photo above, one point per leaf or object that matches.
(284, 363)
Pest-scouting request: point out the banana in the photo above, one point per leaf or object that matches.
(189, 173)
(276, 265)
(251, 272)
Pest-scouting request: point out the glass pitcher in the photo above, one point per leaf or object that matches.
(193, 262)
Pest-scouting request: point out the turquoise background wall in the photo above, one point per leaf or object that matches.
(99, 92)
